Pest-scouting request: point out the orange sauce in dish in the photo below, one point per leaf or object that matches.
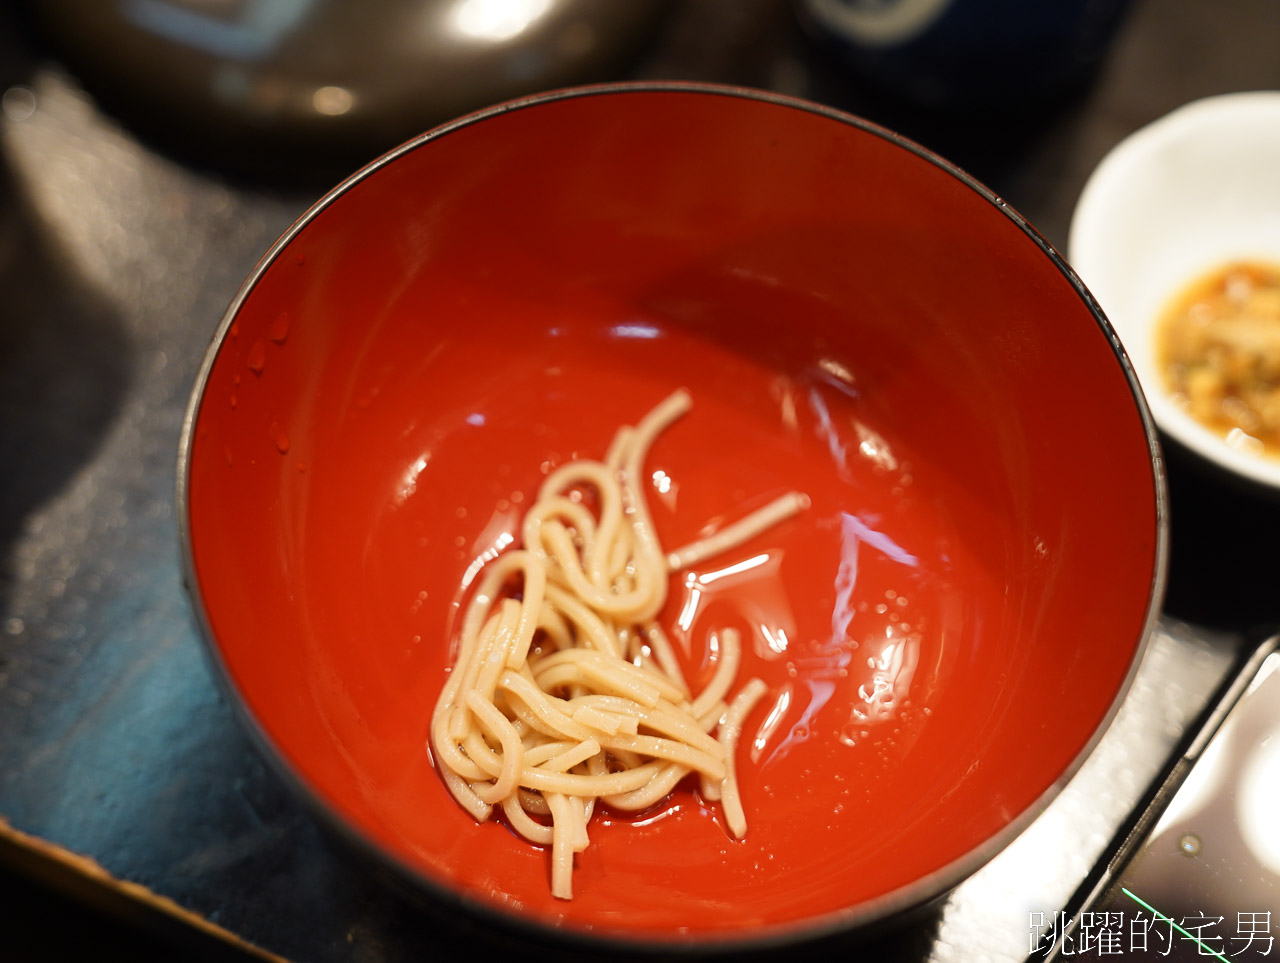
(1218, 349)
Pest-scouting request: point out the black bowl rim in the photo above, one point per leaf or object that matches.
(882, 908)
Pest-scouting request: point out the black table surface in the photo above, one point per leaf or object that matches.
(118, 256)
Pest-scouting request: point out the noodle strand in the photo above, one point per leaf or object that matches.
(564, 690)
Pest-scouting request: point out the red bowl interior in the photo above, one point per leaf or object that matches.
(943, 633)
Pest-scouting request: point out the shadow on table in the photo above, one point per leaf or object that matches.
(51, 913)
(64, 369)
(1225, 533)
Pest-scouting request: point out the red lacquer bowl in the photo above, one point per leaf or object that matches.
(944, 633)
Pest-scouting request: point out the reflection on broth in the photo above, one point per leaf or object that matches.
(866, 663)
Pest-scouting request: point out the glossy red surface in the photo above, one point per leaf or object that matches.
(942, 632)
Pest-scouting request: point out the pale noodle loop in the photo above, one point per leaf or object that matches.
(564, 690)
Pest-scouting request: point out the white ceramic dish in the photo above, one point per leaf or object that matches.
(1196, 189)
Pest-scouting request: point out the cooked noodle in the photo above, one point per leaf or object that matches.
(564, 690)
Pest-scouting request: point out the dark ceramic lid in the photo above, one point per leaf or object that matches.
(278, 83)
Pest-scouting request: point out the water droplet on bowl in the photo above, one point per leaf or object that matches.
(257, 359)
(280, 438)
(280, 329)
